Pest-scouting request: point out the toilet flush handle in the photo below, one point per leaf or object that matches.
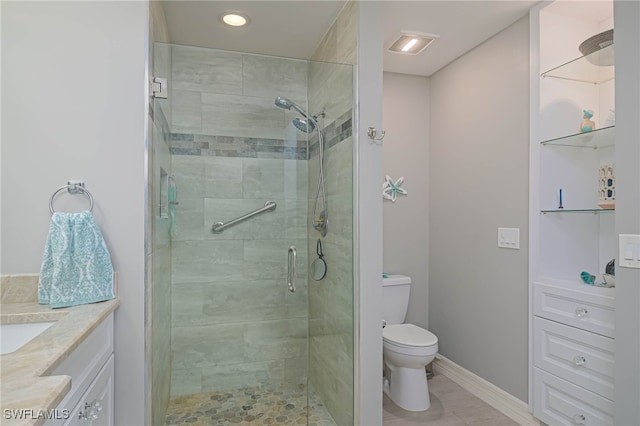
(384, 323)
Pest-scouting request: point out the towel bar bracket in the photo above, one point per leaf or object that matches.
(75, 186)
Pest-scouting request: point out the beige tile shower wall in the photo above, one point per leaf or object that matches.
(331, 300)
(158, 279)
(330, 89)
(235, 324)
(339, 43)
(232, 94)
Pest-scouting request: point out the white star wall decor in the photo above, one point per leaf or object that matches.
(391, 189)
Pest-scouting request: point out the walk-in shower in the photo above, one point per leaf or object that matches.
(228, 342)
(319, 220)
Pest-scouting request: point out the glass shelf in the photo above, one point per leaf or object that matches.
(599, 138)
(595, 211)
(583, 69)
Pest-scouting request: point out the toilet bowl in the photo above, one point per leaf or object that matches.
(406, 350)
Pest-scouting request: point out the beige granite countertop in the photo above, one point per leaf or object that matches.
(25, 383)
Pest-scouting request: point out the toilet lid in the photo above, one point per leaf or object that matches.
(408, 335)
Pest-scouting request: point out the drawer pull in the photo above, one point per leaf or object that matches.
(580, 419)
(579, 361)
(91, 410)
(581, 312)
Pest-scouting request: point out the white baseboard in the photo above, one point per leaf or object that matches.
(502, 401)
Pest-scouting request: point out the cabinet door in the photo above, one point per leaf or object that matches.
(581, 357)
(88, 412)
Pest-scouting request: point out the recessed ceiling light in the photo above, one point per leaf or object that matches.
(411, 42)
(235, 19)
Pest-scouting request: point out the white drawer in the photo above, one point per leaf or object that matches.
(100, 392)
(585, 309)
(558, 402)
(581, 357)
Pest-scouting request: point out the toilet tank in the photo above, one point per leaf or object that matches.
(395, 294)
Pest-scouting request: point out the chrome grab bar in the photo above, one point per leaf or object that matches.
(218, 227)
(291, 268)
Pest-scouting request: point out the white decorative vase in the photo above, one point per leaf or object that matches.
(607, 187)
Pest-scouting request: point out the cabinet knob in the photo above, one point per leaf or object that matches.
(91, 410)
(579, 360)
(581, 312)
(580, 419)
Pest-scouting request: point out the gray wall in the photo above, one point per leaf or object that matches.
(368, 224)
(73, 104)
(406, 153)
(627, 358)
(478, 181)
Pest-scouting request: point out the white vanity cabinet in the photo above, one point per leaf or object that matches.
(571, 333)
(90, 366)
(573, 354)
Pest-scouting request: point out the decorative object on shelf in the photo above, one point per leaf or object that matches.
(607, 187)
(596, 43)
(372, 132)
(391, 189)
(609, 280)
(610, 269)
(560, 206)
(587, 124)
(609, 275)
(587, 278)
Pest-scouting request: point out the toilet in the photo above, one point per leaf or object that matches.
(406, 348)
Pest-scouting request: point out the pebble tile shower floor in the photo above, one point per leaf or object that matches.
(249, 406)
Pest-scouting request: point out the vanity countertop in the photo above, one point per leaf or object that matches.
(24, 373)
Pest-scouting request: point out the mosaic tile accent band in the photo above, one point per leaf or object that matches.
(334, 133)
(230, 146)
(250, 406)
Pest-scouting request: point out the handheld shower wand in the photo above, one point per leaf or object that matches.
(308, 125)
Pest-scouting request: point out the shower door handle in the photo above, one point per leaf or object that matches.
(292, 257)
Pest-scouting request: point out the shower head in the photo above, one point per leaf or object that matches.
(304, 125)
(307, 124)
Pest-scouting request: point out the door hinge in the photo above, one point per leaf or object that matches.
(159, 88)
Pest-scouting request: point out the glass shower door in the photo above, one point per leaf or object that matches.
(240, 338)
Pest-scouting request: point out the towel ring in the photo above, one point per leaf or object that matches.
(72, 187)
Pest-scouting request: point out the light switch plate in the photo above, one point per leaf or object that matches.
(509, 238)
(629, 251)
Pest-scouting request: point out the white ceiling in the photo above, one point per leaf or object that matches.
(294, 28)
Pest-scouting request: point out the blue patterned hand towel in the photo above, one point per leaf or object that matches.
(76, 266)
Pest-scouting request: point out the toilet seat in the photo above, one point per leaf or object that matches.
(408, 336)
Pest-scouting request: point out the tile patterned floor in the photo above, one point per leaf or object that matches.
(249, 406)
(451, 405)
